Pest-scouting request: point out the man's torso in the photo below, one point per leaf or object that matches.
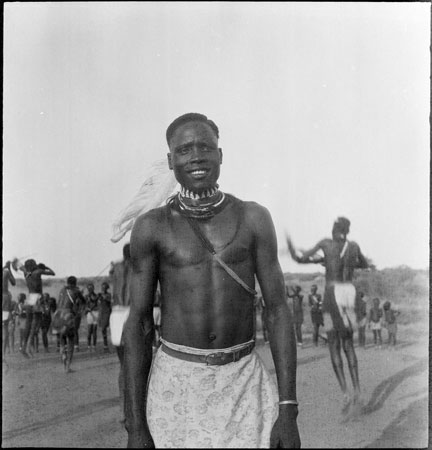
(202, 306)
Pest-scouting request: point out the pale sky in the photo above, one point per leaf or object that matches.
(323, 110)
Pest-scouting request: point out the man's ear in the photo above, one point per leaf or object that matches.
(169, 161)
(220, 155)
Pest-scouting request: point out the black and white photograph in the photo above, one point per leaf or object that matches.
(216, 224)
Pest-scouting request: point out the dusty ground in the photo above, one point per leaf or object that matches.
(43, 407)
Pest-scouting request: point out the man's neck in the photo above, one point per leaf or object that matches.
(202, 205)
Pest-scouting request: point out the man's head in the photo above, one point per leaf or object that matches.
(71, 281)
(194, 154)
(314, 288)
(126, 251)
(297, 288)
(90, 288)
(341, 228)
(105, 286)
(21, 297)
(46, 296)
(387, 305)
(376, 301)
(30, 265)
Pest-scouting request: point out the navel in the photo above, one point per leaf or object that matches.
(212, 336)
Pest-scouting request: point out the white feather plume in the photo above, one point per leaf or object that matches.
(158, 185)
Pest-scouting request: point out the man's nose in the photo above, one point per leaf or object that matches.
(197, 153)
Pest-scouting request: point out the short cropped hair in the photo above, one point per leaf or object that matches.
(342, 224)
(190, 117)
(30, 264)
(71, 281)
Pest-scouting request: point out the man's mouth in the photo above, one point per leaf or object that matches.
(199, 173)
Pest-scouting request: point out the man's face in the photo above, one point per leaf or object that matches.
(338, 234)
(194, 156)
(90, 288)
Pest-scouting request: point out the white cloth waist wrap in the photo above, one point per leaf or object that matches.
(118, 317)
(92, 317)
(193, 405)
(32, 299)
(345, 295)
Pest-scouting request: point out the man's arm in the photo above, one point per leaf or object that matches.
(10, 275)
(306, 257)
(361, 260)
(138, 331)
(281, 332)
(45, 270)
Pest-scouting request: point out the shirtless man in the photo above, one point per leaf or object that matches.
(105, 312)
(7, 305)
(70, 300)
(340, 259)
(33, 275)
(120, 274)
(208, 388)
(315, 303)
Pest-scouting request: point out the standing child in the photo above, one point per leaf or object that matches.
(22, 320)
(92, 316)
(375, 319)
(390, 316)
(105, 312)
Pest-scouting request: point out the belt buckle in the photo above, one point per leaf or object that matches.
(214, 355)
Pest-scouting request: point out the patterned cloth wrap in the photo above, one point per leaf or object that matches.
(194, 405)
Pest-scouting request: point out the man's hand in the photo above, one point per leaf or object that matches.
(285, 432)
(140, 440)
(291, 248)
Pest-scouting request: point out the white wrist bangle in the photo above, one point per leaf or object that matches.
(289, 402)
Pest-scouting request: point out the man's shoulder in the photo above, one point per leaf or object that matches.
(253, 210)
(151, 221)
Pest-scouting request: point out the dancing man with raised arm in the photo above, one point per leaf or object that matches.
(341, 257)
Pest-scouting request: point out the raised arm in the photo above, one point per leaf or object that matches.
(307, 257)
(281, 333)
(138, 331)
(9, 275)
(45, 270)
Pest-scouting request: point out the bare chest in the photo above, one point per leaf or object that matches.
(228, 234)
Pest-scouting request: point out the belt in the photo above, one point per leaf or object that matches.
(212, 359)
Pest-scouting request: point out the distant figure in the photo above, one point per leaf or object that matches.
(63, 323)
(92, 316)
(21, 312)
(361, 317)
(46, 320)
(315, 303)
(104, 313)
(36, 324)
(297, 308)
(375, 322)
(12, 326)
(120, 274)
(33, 275)
(390, 317)
(341, 257)
(7, 305)
(78, 317)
